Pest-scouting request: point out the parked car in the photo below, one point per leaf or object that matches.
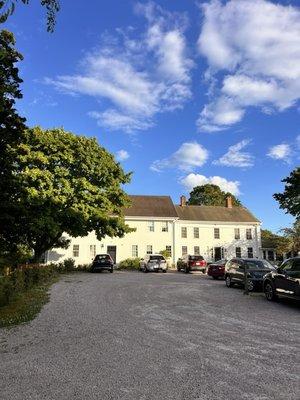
(285, 281)
(235, 272)
(102, 262)
(190, 263)
(217, 269)
(153, 262)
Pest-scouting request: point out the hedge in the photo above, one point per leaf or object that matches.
(129, 264)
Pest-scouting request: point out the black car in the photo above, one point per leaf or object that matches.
(102, 262)
(285, 281)
(190, 263)
(257, 269)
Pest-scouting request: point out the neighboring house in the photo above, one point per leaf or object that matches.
(213, 232)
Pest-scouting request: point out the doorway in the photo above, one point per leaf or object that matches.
(112, 251)
(218, 253)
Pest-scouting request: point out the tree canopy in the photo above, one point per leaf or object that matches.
(289, 200)
(7, 7)
(11, 134)
(279, 243)
(69, 185)
(211, 195)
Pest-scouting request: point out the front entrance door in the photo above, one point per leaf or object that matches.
(112, 251)
(218, 253)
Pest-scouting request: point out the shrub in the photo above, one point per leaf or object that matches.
(129, 264)
(83, 267)
(69, 264)
(6, 290)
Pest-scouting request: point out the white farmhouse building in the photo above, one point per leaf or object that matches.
(214, 232)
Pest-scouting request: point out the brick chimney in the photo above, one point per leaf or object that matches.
(229, 202)
(182, 201)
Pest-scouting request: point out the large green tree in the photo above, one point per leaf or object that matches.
(293, 236)
(281, 244)
(289, 200)
(210, 195)
(7, 7)
(69, 185)
(12, 128)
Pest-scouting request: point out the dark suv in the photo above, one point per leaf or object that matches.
(191, 263)
(235, 272)
(102, 262)
(285, 281)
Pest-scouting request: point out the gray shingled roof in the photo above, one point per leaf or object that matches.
(215, 213)
(151, 206)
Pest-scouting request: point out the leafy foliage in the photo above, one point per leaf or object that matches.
(280, 244)
(11, 134)
(293, 236)
(69, 184)
(210, 195)
(289, 200)
(130, 264)
(7, 8)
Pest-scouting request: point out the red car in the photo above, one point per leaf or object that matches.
(217, 269)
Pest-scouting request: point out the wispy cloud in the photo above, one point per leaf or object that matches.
(192, 180)
(281, 151)
(139, 77)
(189, 156)
(257, 44)
(122, 155)
(235, 157)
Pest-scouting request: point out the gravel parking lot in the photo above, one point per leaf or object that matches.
(153, 336)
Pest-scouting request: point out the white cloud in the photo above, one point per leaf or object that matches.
(192, 180)
(280, 152)
(138, 77)
(235, 157)
(186, 158)
(257, 43)
(122, 155)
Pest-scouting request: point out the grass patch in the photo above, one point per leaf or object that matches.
(26, 305)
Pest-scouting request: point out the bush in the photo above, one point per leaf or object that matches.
(129, 264)
(69, 264)
(83, 267)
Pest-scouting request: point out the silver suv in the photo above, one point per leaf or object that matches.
(153, 262)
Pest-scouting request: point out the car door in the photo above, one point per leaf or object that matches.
(293, 278)
(240, 271)
(233, 268)
(281, 278)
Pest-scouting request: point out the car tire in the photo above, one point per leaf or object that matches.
(164, 271)
(145, 270)
(251, 286)
(269, 292)
(186, 270)
(204, 271)
(228, 281)
(111, 270)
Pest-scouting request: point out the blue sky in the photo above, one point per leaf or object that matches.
(183, 93)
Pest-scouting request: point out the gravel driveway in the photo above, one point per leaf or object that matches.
(153, 336)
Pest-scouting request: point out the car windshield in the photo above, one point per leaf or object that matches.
(196, 258)
(156, 258)
(258, 264)
(102, 257)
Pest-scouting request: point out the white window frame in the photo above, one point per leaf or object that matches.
(240, 252)
(93, 251)
(217, 234)
(149, 249)
(76, 250)
(249, 235)
(237, 233)
(169, 250)
(165, 226)
(197, 253)
(250, 252)
(196, 232)
(183, 229)
(184, 250)
(135, 250)
(151, 226)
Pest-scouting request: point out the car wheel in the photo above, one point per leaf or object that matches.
(228, 281)
(145, 269)
(215, 277)
(111, 270)
(270, 292)
(204, 271)
(186, 270)
(250, 286)
(164, 270)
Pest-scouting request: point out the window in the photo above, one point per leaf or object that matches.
(149, 249)
(75, 250)
(249, 234)
(164, 227)
(135, 251)
(184, 232)
(217, 233)
(196, 233)
(238, 252)
(196, 251)
(151, 226)
(184, 250)
(237, 234)
(169, 250)
(93, 251)
(250, 252)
